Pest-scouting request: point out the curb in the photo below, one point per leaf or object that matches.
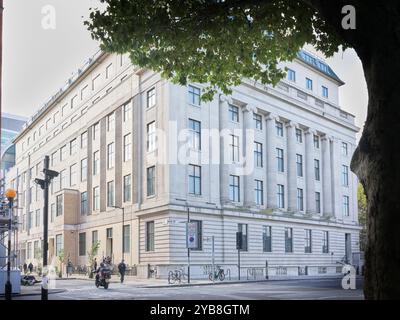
(33, 294)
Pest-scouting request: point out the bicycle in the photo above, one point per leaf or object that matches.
(174, 276)
(217, 274)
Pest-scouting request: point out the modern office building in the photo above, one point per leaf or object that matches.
(137, 154)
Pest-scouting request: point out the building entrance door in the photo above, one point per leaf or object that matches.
(109, 243)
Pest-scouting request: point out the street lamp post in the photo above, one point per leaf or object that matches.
(10, 194)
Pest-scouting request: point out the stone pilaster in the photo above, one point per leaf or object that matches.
(291, 167)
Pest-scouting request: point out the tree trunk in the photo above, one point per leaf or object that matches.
(377, 164)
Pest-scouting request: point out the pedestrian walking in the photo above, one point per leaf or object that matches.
(69, 268)
(30, 267)
(95, 264)
(122, 269)
(25, 267)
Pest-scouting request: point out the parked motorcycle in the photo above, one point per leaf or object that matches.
(103, 277)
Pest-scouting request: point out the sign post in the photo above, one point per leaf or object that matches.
(239, 246)
(191, 240)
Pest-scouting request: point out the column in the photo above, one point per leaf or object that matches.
(271, 160)
(354, 179)
(336, 173)
(309, 174)
(248, 151)
(291, 167)
(224, 161)
(326, 177)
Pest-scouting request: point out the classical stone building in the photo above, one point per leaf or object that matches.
(271, 162)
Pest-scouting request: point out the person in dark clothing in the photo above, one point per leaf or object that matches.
(30, 267)
(95, 264)
(122, 269)
(25, 267)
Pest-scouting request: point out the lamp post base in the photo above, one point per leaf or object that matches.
(8, 290)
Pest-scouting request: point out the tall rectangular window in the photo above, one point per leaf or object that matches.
(84, 140)
(151, 181)
(279, 128)
(309, 84)
(111, 121)
(299, 165)
(300, 199)
(257, 121)
(52, 212)
(59, 244)
(95, 237)
(194, 95)
(73, 174)
(259, 192)
(110, 156)
(127, 239)
(345, 176)
(151, 98)
(151, 136)
(59, 205)
(318, 202)
(127, 111)
(37, 218)
(63, 153)
(280, 161)
(73, 147)
(233, 113)
(150, 236)
(316, 141)
(243, 229)
(267, 239)
(234, 188)
(127, 188)
(345, 150)
(307, 241)
(281, 196)
(316, 169)
(29, 250)
(234, 148)
(84, 203)
(54, 158)
(194, 179)
(63, 179)
(127, 147)
(110, 194)
(299, 135)
(194, 134)
(84, 169)
(325, 242)
(324, 92)
(96, 198)
(346, 204)
(96, 129)
(288, 240)
(291, 75)
(258, 154)
(96, 162)
(82, 244)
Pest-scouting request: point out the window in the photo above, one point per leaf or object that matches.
(84, 203)
(288, 240)
(95, 80)
(345, 150)
(84, 169)
(300, 199)
(346, 209)
(110, 156)
(325, 242)
(36, 249)
(324, 92)
(63, 179)
(111, 121)
(279, 158)
(63, 153)
(234, 147)
(194, 95)
(96, 129)
(52, 212)
(83, 96)
(59, 244)
(108, 70)
(37, 218)
(307, 241)
(309, 84)
(96, 198)
(82, 244)
(258, 156)
(267, 239)
(73, 174)
(95, 237)
(127, 111)
(29, 250)
(151, 136)
(127, 147)
(259, 192)
(318, 202)
(257, 121)
(110, 194)
(345, 176)
(151, 98)
(72, 147)
(299, 165)
(127, 239)
(96, 162)
(316, 169)
(299, 136)
(59, 205)
(194, 179)
(243, 229)
(150, 236)
(316, 141)
(84, 139)
(291, 75)
(151, 177)
(281, 196)
(194, 134)
(279, 128)
(127, 188)
(233, 113)
(31, 221)
(234, 188)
